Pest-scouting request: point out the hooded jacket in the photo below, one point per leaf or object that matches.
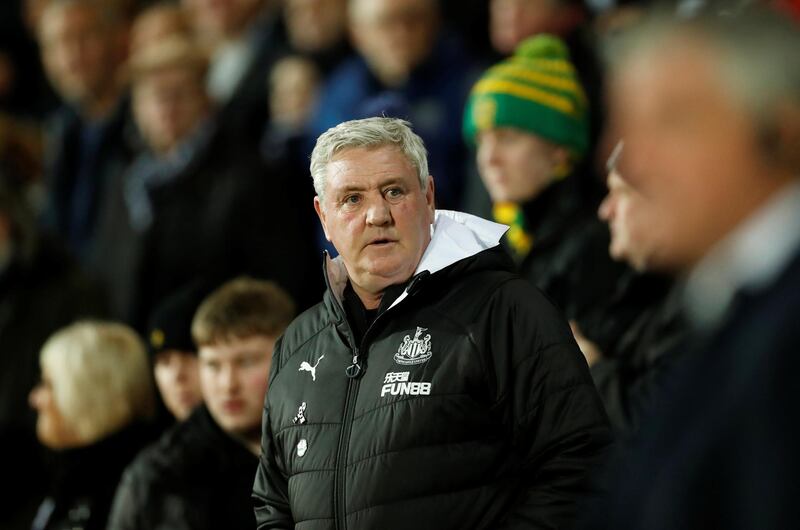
(467, 403)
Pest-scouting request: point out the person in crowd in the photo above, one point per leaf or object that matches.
(317, 29)
(83, 48)
(41, 290)
(158, 21)
(432, 387)
(628, 371)
(513, 21)
(528, 117)
(243, 41)
(199, 475)
(403, 53)
(716, 157)
(195, 203)
(93, 406)
(175, 364)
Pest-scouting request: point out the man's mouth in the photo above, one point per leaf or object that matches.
(380, 242)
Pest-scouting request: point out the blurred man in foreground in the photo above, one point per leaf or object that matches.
(716, 156)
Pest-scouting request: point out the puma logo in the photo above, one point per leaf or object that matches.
(306, 367)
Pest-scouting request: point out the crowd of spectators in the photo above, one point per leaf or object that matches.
(153, 151)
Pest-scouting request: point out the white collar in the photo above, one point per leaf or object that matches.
(455, 236)
(751, 257)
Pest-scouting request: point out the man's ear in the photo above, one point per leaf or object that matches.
(321, 214)
(430, 197)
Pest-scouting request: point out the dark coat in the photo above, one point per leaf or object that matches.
(245, 114)
(721, 449)
(85, 480)
(222, 215)
(116, 145)
(39, 294)
(629, 374)
(569, 260)
(487, 418)
(195, 477)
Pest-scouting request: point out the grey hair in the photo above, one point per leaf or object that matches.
(369, 133)
(756, 46)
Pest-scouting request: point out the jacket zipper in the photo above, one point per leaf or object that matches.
(354, 373)
(340, 506)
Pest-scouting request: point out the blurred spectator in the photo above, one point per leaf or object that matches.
(24, 92)
(716, 155)
(200, 474)
(175, 366)
(83, 46)
(193, 203)
(294, 87)
(628, 371)
(243, 39)
(158, 21)
(528, 117)
(512, 21)
(94, 404)
(318, 30)
(403, 53)
(41, 290)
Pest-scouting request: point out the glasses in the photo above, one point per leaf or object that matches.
(613, 158)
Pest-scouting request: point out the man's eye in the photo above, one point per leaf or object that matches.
(352, 199)
(394, 193)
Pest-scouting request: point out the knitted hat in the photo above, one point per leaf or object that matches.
(536, 90)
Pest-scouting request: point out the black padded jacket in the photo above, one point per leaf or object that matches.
(466, 405)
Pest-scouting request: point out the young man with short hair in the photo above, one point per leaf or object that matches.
(200, 474)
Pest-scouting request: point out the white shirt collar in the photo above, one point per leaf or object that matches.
(751, 257)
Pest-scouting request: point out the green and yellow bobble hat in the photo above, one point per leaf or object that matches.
(537, 91)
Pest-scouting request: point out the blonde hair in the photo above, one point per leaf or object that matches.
(242, 308)
(100, 377)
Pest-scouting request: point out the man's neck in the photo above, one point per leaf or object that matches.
(370, 300)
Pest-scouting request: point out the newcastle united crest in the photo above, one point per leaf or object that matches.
(416, 350)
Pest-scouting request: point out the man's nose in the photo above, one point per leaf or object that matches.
(229, 379)
(378, 212)
(606, 210)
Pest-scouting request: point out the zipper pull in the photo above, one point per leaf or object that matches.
(354, 370)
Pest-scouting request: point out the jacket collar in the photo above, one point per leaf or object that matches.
(455, 236)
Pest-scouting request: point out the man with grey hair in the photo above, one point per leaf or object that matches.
(715, 159)
(432, 387)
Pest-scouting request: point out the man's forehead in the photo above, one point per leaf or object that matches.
(235, 347)
(360, 167)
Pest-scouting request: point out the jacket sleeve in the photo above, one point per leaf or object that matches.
(558, 427)
(270, 490)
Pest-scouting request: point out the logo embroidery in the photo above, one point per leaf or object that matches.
(305, 366)
(300, 417)
(302, 447)
(416, 350)
(397, 384)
